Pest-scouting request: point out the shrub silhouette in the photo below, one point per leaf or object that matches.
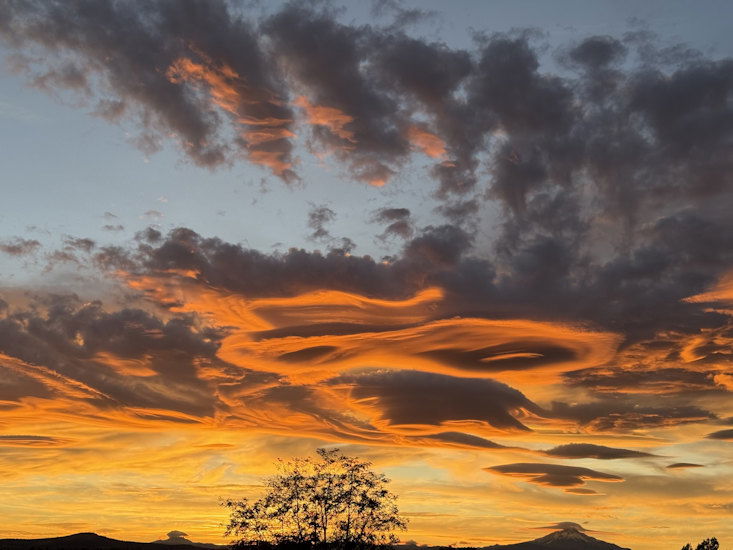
(332, 501)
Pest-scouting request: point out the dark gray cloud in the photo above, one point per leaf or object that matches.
(30, 441)
(79, 243)
(589, 450)
(721, 434)
(113, 228)
(597, 53)
(564, 525)
(460, 212)
(683, 466)
(602, 219)
(439, 246)
(324, 58)
(537, 354)
(69, 252)
(19, 246)
(98, 45)
(429, 258)
(308, 401)
(623, 415)
(618, 380)
(407, 397)
(398, 221)
(554, 475)
(430, 76)
(464, 440)
(254, 273)
(493, 107)
(401, 17)
(126, 357)
(318, 218)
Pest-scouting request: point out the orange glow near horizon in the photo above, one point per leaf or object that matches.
(321, 367)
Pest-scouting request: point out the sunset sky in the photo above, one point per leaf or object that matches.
(486, 245)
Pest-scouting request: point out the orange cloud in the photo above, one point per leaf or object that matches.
(60, 385)
(429, 143)
(569, 478)
(721, 292)
(229, 92)
(256, 137)
(459, 347)
(332, 118)
(126, 366)
(668, 363)
(370, 171)
(301, 344)
(306, 343)
(224, 86)
(32, 441)
(271, 159)
(724, 380)
(388, 376)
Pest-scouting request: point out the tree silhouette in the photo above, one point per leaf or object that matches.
(333, 501)
(707, 544)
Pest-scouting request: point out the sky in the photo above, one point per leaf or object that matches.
(485, 245)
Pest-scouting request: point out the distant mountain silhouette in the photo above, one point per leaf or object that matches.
(565, 539)
(178, 538)
(91, 541)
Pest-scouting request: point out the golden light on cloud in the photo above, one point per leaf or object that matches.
(571, 479)
(329, 117)
(125, 366)
(305, 341)
(226, 92)
(337, 366)
(725, 380)
(271, 159)
(23, 441)
(231, 93)
(721, 292)
(427, 142)
(256, 137)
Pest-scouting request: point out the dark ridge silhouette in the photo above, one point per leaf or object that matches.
(91, 541)
(565, 539)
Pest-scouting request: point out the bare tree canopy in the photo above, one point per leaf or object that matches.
(333, 501)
